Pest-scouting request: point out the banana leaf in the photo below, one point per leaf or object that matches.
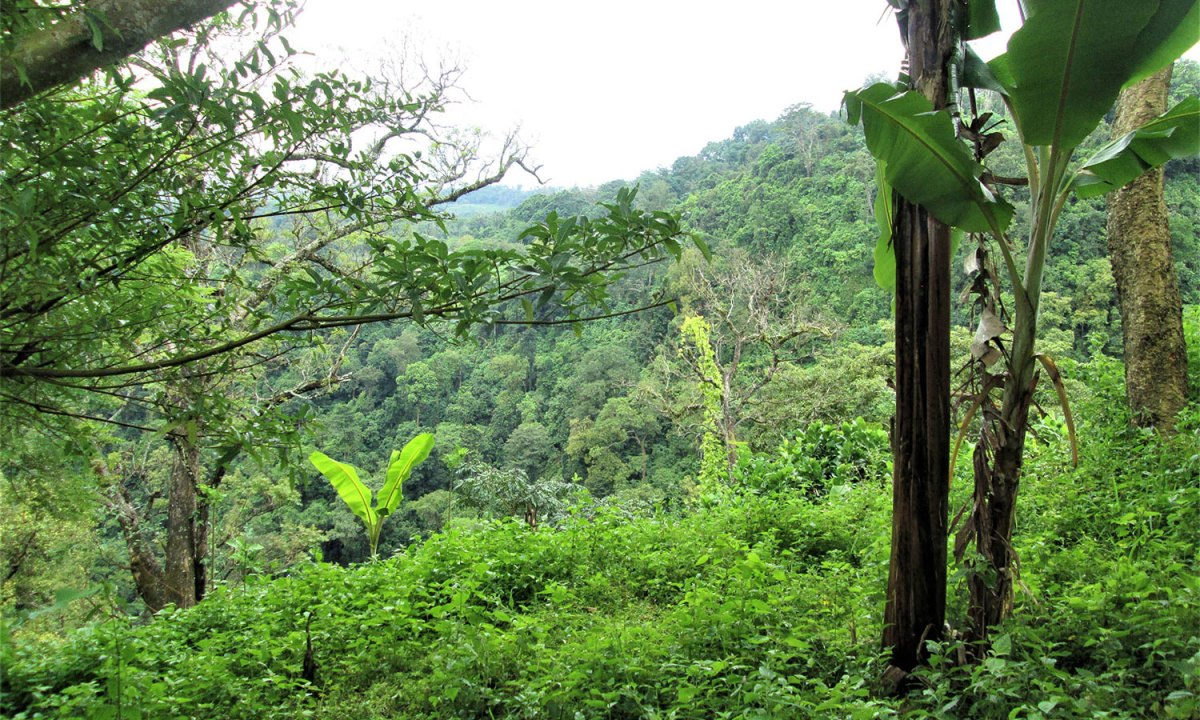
(1065, 66)
(1172, 135)
(400, 466)
(344, 479)
(923, 160)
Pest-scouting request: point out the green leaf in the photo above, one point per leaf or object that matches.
(1066, 64)
(399, 468)
(1172, 135)
(344, 479)
(977, 74)
(1172, 30)
(885, 252)
(982, 19)
(702, 246)
(93, 23)
(923, 160)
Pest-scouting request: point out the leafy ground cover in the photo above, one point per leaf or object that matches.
(767, 605)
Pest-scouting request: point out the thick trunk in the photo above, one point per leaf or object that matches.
(921, 437)
(916, 598)
(1139, 247)
(181, 571)
(66, 51)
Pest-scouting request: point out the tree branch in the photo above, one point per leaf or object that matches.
(105, 32)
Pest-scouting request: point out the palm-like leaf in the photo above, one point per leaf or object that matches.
(923, 160)
(400, 466)
(1174, 134)
(1070, 59)
(344, 479)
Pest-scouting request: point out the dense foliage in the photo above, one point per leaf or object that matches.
(680, 512)
(766, 606)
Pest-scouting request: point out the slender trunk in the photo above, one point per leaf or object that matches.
(997, 468)
(180, 570)
(1139, 247)
(143, 564)
(645, 459)
(916, 598)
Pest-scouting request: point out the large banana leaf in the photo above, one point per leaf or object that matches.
(400, 466)
(1171, 135)
(344, 479)
(922, 158)
(1066, 64)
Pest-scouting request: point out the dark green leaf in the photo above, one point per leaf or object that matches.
(885, 252)
(982, 19)
(1066, 64)
(1174, 134)
(923, 160)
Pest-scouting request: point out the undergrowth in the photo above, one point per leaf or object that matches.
(767, 606)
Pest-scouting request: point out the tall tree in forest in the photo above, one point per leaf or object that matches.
(916, 595)
(1139, 247)
(747, 322)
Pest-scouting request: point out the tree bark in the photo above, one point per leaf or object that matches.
(143, 564)
(65, 52)
(1139, 248)
(916, 598)
(181, 571)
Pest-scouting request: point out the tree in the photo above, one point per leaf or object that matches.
(510, 492)
(916, 595)
(1058, 78)
(172, 230)
(749, 322)
(50, 46)
(1139, 246)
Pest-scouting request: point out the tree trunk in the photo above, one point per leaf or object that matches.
(997, 470)
(1139, 247)
(143, 564)
(181, 570)
(916, 598)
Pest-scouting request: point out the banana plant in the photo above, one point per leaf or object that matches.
(1060, 75)
(373, 510)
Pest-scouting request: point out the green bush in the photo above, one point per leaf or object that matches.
(819, 457)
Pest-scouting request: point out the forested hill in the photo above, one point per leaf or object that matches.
(786, 207)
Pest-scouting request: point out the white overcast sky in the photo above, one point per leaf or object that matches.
(605, 90)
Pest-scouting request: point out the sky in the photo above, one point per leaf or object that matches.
(606, 90)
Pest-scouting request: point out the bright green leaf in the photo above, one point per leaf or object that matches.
(344, 479)
(399, 468)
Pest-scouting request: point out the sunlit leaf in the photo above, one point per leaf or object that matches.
(344, 479)
(399, 468)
